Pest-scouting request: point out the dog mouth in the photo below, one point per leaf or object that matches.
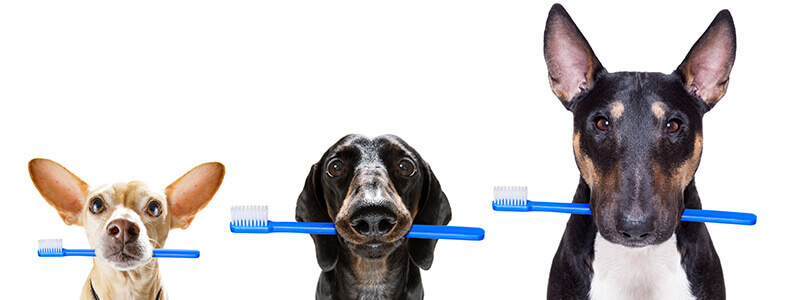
(651, 239)
(125, 257)
(373, 249)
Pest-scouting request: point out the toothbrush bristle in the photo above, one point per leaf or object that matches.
(511, 196)
(50, 246)
(249, 215)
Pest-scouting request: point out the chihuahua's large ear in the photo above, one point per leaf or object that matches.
(312, 208)
(707, 67)
(192, 192)
(59, 187)
(434, 209)
(571, 63)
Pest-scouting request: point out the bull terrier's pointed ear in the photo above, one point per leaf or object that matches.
(706, 68)
(192, 192)
(60, 188)
(571, 63)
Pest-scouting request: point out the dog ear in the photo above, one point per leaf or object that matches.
(708, 65)
(312, 208)
(192, 192)
(571, 63)
(60, 188)
(434, 209)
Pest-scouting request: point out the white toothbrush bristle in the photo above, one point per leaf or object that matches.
(249, 215)
(51, 246)
(511, 195)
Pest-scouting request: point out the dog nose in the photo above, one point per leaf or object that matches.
(636, 228)
(373, 221)
(123, 230)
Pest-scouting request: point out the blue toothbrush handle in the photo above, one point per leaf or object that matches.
(176, 253)
(691, 215)
(171, 253)
(78, 252)
(417, 231)
(569, 208)
(716, 216)
(291, 227)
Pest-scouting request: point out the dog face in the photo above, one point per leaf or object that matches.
(638, 136)
(125, 221)
(373, 190)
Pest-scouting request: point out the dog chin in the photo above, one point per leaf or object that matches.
(650, 241)
(373, 250)
(125, 259)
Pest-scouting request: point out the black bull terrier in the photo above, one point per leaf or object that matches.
(637, 142)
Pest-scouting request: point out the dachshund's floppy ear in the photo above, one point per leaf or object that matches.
(311, 208)
(434, 209)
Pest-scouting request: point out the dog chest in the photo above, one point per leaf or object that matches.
(652, 272)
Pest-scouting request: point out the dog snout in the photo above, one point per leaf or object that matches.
(635, 227)
(373, 220)
(123, 231)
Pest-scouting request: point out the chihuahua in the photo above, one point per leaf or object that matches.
(124, 222)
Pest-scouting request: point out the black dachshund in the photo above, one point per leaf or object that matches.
(373, 190)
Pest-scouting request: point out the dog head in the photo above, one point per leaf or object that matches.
(373, 190)
(638, 136)
(125, 221)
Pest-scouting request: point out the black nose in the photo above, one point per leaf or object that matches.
(373, 221)
(636, 228)
(123, 230)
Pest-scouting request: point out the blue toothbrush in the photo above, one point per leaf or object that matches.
(54, 248)
(515, 198)
(255, 219)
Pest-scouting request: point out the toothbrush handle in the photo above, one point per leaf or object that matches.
(419, 231)
(715, 216)
(691, 215)
(78, 252)
(569, 208)
(176, 253)
(302, 227)
(291, 227)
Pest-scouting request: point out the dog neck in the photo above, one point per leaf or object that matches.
(143, 282)
(361, 278)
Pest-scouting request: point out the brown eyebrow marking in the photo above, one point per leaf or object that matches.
(658, 109)
(617, 108)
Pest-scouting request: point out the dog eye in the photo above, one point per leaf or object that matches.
(602, 123)
(673, 125)
(406, 167)
(335, 168)
(96, 205)
(154, 208)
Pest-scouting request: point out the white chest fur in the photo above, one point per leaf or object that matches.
(652, 272)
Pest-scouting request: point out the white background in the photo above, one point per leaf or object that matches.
(147, 90)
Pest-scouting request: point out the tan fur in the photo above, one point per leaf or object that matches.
(585, 164)
(362, 178)
(617, 108)
(683, 174)
(186, 196)
(370, 272)
(658, 109)
(675, 181)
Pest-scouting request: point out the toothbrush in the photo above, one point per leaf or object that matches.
(54, 248)
(254, 219)
(515, 198)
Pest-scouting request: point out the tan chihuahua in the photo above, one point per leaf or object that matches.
(124, 222)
